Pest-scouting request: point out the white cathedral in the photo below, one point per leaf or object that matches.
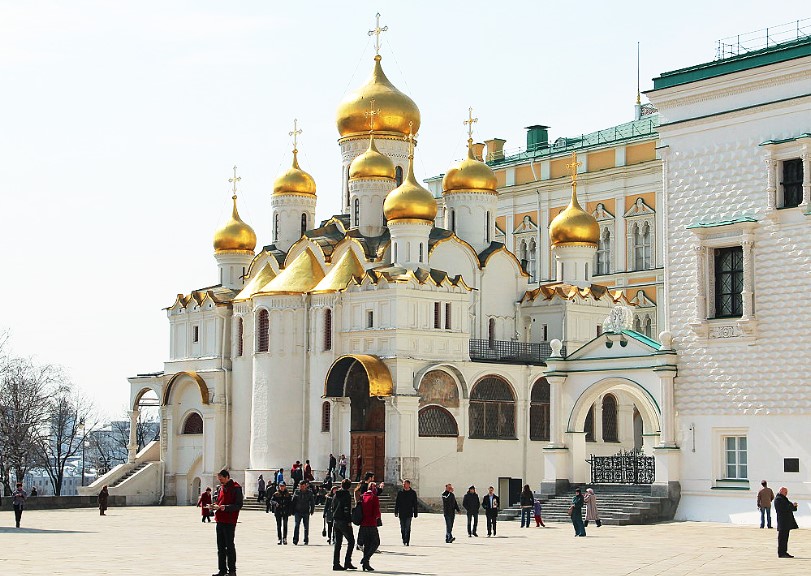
(420, 344)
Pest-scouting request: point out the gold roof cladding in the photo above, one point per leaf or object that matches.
(264, 276)
(342, 273)
(300, 276)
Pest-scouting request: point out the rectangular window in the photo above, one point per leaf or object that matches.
(728, 282)
(437, 315)
(195, 333)
(599, 329)
(370, 319)
(735, 458)
(447, 316)
(792, 183)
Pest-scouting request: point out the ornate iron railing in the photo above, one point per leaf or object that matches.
(622, 468)
(510, 351)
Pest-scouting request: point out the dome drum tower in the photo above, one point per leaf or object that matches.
(234, 244)
(293, 202)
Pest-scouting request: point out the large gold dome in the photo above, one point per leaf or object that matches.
(470, 175)
(234, 234)
(294, 180)
(574, 225)
(410, 200)
(372, 164)
(397, 111)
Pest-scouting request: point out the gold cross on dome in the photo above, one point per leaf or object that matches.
(573, 166)
(296, 131)
(371, 115)
(410, 139)
(377, 31)
(469, 123)
(234, 181)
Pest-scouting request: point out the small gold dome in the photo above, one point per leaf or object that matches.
(470, 175)
(294, 181)
(396, 109)
(234, 234)
(574, 225)
(372, 164)
(410, 200)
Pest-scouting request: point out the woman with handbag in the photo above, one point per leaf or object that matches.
(368, 526)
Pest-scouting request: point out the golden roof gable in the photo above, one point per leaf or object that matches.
(300, 276)
(256, 283)
(342, 274)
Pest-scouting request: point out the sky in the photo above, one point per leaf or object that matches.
(121, 122)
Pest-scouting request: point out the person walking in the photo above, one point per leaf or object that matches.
(342, 526)
(764, 503)
(260, 488)
(226, 513)
(358, 466)
(103, 496)
(281, 509)
(297, 474)
(471, 505)
(785, 521)
(592, 514)
(332, 465)
(537, 510)
(280, 476)
(270, 490)
(490, 504)
(204, 503)
(449, 509)
(576, 512)
(308, 472)
(368, 526)
(405, 508)
(303, 507)
(342, 465)
(18, 502)
(527, 501)
(328, 518)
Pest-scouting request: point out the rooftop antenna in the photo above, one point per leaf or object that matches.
(638, 107)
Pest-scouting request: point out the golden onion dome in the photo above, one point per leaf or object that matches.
(574, 225)
(372, 164)
(470, 175)
(410, 200)
(396, 110)
(234, 234)
(294, 180)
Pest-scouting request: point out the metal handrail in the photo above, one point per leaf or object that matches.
(763, 38)
(510, 351)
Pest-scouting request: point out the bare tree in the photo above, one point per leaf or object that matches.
(24, 411)
(71, 420)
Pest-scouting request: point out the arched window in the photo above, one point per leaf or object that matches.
(356, 210)
(588, 425)
(531, 261)
(303, 223)
(398, 175)
(262, 331)
(637, 324)
(453, 220)
(648, 327)
(193, 424)
(491, 332)
(437, 421)
(646, 246)
(492, 409)
(603, 263)
(610, 419)
(240, 335)
(642, 246)
(326, 409)
(539, 411)
(276, 227)
(487, 226)
(328, 329)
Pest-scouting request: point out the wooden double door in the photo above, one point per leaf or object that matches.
(372, 448)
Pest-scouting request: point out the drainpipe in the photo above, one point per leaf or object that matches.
(226, 391)
(305, 370)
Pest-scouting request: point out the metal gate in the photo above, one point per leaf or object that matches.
(624, 467)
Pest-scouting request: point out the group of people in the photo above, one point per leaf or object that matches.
(589, 500)
(19, 496)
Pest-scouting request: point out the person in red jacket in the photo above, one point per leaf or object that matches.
(226, 512)
(204, 503)
(368, 527)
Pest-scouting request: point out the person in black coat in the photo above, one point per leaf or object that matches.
(785, 521)
(281, 508)
(405, 508)
(303, 505)
(471, 505)
(342, 526)
(490, 503)
(449, 509)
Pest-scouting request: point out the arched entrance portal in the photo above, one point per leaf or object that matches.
(365, 380)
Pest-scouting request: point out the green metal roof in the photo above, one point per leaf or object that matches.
(642, 338)
(644, 128)
(773, 54)
(727, 222)
(784, 140)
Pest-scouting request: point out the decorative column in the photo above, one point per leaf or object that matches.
(555, 410)
(556, 457)
(619, 235)
(701, 289)
(748, 276)
(132, 446)
(667, 437)
(806, 155)
(771, 186)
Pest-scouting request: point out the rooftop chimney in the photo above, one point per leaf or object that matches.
(537, 137)
(495, 149)
(478, 151)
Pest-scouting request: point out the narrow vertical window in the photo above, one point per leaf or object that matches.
(303, 223)
(276, 227)
(487, 226)
(326, 409)
(328, 329)
(195, 333)
(448, 316)
(356, 210)
(610, 431)
(370, 319)
(729, 282)
(420, 252)
(646, 246)
(491, 332)
(531, 268)
(792, 183)
(398, 175)
(437, 315)
(240, 335)
(262, 331)
(588, 425)
(453, 220)
(648, 327)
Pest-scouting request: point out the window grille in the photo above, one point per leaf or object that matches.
(728, 282)
(370, 319)
(195, 333)
(588, 426)
(240, 335)
(492, 409)
(356, 209)
(792, 183)
(610, 433)
(327, 329)
(326, 408)
(437, 315)
(262, 332)
(447, 316)
(539, 411)
(193, 424)
(437, 421)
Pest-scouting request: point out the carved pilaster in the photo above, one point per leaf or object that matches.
(555, 410)
(748, 276)
(806, 156)
(771, 186)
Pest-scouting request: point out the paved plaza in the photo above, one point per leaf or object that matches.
(171, 540)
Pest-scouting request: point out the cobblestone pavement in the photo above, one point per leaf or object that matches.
(172, 540)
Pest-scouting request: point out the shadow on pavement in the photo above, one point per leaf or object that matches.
(9, 530)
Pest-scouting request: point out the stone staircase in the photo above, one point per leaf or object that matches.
(132, 472)
(618, 505)
(386, 501)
